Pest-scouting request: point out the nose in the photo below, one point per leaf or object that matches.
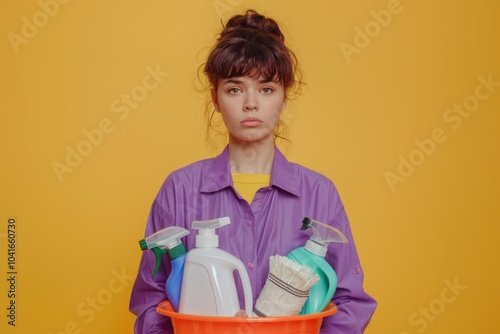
(250, 103)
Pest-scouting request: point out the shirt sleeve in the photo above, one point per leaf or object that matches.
(148, 292)
(355, 307)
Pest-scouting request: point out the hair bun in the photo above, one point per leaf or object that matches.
(252, 45)
(252, 20)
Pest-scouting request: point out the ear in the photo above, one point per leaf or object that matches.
(215, 100)
(283, 106)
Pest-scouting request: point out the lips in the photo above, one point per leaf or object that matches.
(251, 122)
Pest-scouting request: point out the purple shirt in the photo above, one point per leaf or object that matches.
(268, 226)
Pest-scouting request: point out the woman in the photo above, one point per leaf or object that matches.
(252, 74)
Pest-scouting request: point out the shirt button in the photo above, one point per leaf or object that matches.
(249, 222)
(250, 265)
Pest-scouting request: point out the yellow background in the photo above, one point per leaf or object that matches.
(357, 118)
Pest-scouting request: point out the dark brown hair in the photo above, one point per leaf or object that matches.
(253, 45)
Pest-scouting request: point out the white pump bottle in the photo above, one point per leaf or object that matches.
(208, 286)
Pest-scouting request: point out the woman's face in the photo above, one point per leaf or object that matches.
(250, 107)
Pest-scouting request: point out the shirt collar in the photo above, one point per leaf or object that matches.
(219, 174)
(282, 175)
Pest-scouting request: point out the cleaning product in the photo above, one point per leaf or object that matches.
(312, 255)
(168, 239)
(208, 286)
(286, 288)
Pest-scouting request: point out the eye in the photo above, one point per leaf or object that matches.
(233, 90)
(267, 90)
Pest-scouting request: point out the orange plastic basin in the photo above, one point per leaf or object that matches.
(195, 324)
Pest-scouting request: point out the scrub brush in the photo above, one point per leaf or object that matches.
(286, 289)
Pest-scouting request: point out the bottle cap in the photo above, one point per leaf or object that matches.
(315, 248)
(143, 243)
(323, 234)
(206, 237)
(163, 240)
(176, 251)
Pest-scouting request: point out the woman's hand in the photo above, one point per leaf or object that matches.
(241, 314)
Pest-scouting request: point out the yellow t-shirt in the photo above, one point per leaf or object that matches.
(247, 184)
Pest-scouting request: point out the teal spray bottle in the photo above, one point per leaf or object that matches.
(168, 240)
(312, 255)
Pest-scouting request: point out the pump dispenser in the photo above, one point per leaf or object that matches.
(312, 255)
(208, 286)
(169, 239)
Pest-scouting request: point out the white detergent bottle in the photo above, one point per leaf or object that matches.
(208, 286)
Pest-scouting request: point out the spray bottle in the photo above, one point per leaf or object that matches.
(312, 255)
(168, 239)
(208, 286)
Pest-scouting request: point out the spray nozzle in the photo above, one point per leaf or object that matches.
(167, 239)
(206, 237)
(323, 234)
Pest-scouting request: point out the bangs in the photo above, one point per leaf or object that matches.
(250, 55)
(246, 59)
